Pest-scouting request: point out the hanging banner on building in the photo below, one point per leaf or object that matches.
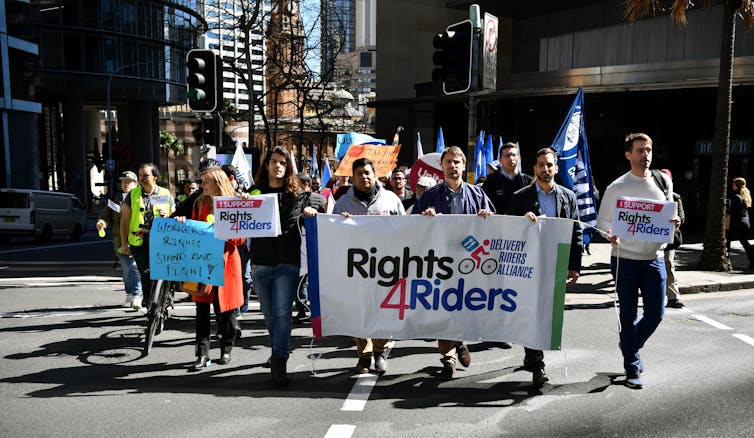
(460, 277)
(257, 216)
(185, 252)
(383, 157)
(489, 52)
(647, 220)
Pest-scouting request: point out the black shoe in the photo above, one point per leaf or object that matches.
(300, 318)
(279, 374)
(675, 303)
(201, 362)
(463, 355)
(504, 345)
(633, 380)
(224, 359)
(380, 362)
(539, 378)
(362, 366)
(448, 368)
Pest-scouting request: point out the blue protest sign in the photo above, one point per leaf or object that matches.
(185, 252)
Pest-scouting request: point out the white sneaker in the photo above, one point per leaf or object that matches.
(136, 303)
(129, 301)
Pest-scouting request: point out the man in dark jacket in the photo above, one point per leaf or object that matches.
(501, 184)
(546, 198)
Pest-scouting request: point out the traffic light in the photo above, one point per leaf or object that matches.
(204, 79)
(453, 57)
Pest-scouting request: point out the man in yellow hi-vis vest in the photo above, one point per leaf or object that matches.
(137, 213)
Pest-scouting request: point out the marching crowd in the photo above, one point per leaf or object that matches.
(272, 264)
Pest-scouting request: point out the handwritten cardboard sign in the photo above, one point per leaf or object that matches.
(257, 216)
(383, 157)
(185, 252)
(647, 220)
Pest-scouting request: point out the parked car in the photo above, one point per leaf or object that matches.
(41, 214)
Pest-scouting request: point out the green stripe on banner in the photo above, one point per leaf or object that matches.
(561, 275)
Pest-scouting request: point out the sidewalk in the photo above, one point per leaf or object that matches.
(596, 287)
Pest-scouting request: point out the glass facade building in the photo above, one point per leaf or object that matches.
(130, 51)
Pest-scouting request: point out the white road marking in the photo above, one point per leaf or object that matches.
(361, 390)
(712, 322)
(340, 431)
(37, 248)
(75, 278)
(748, 339)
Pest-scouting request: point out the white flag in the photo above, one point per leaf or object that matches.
(242, 166)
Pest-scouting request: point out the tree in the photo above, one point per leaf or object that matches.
(714, 256)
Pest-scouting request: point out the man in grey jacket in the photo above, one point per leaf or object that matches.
(364, 197)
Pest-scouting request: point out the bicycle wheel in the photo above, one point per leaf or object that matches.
(156, 312)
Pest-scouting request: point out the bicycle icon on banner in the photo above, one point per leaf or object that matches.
(477, 250)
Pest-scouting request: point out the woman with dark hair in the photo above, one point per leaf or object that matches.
(226, 298)
(739, 201)
(276, 260)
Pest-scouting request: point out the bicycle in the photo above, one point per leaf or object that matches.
(157, 313)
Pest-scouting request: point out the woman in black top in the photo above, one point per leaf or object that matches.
(276, 260)
(739, 201)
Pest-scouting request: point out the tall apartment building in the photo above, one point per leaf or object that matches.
(349, 44)
(226, 36)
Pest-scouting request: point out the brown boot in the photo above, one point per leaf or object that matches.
(277, 366)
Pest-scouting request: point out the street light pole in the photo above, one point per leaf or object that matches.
(110, 164)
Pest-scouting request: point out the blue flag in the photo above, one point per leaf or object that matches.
(488, 154)
(346, 140)
(440, 141)
(575, 171)
(480, 156)
(326, 173)
(314, 167)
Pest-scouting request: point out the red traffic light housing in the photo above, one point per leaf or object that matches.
(204, 80)
(453, 57)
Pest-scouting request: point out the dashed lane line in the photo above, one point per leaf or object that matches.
(748, 339)
(361, 390)
(712, 322)
(340, 431)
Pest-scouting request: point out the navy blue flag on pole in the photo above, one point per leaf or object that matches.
(575, 171)
(314, 167)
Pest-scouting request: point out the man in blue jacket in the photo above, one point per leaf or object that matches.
(453, 196)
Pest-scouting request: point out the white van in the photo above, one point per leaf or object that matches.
(40, 214)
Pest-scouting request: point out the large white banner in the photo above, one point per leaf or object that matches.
(257, 216)
(457, 277)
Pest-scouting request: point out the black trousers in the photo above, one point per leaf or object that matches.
(534, 359)
(742, 235)
(230, 330)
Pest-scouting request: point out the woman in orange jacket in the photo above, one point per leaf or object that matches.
(228, 297)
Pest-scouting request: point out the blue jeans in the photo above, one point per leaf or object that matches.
(276, 286)
(650, 277)
(131, 276)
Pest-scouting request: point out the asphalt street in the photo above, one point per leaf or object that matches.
(71, 365)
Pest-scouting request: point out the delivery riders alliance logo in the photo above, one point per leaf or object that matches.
(240, 219)
(431, 282)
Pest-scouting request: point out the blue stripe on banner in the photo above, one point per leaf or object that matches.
(312, 257)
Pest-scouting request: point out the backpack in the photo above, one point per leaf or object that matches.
(660, 181)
